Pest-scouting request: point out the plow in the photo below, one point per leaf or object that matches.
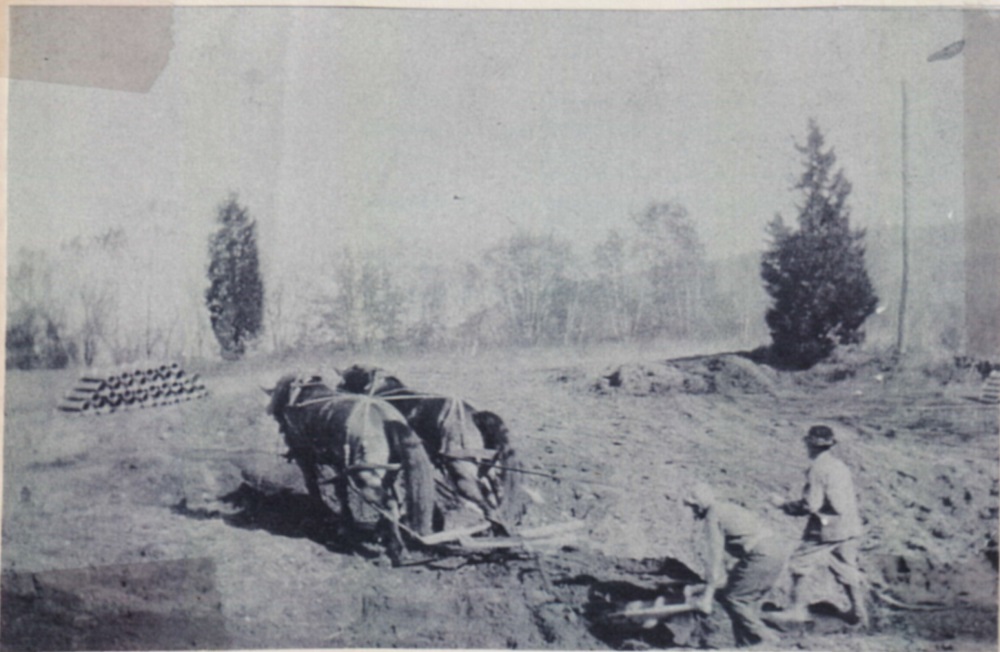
(462, 541)
(466, 472)
(646, 614)
(631, 611)
(478, 538)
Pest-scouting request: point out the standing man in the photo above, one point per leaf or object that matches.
(833, 532)
(759, 561)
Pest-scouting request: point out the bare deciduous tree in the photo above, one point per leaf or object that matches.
(35, 324)
(530, 274)
(672, 256)
(369, 305)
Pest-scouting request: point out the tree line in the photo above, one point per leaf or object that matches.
(92, 301)
(649, 278)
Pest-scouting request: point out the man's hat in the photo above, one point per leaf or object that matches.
(700, 495)
(820, 437)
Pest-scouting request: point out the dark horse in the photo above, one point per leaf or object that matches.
(471, 447)
(374, 454)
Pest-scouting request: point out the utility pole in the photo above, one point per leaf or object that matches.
(901, 321)
(947, 52)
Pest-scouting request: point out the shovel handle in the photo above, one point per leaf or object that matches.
(652, 612)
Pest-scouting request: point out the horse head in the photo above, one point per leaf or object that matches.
(281, 395)
(383, 382)
(368, 379)
(290, 390)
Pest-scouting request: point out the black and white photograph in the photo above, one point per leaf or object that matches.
(339, 327)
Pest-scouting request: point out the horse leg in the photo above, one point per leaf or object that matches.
(345, 524)
(491, 479)
(466, 479)
(392, 536)
(489, 490)
(310, 474)
(394, 545)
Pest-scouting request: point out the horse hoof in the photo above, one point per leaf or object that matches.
(397, 555)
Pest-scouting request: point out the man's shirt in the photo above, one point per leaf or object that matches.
(732, 529)
(829, 497)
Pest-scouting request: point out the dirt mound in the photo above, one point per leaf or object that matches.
(870, 364)
(731, 374)
(641, 379)
(728, 374)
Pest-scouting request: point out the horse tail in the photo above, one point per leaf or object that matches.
(418, 476)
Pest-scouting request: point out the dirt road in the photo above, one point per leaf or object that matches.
(114, 536)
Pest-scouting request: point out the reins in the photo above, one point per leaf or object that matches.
(327, 399)
(488, 458)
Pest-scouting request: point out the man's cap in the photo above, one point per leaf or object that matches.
(821, 437)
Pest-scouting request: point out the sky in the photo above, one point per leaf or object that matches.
(429, 135)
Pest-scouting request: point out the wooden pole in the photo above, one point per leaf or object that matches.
(901, 321)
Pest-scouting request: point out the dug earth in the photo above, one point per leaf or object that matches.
(183, 527)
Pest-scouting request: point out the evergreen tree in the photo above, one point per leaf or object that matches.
(235, 296)
(821, 293)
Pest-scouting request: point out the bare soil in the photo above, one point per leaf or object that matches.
(184, 528)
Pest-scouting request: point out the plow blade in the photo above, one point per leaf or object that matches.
(647, 614)
(558, 534)
(453, 535)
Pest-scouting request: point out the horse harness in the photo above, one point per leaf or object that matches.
(349, 469)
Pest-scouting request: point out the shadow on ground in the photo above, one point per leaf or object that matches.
(163, 605)
(680, 630)
(287, 514)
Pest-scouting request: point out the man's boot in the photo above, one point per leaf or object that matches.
(797, 613)
(792, 616)
(858, 615)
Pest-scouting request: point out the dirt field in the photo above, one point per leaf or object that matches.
(115, 537)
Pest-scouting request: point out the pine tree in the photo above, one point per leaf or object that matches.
(235, 296)
(821, 293)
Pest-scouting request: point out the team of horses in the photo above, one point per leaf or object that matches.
(403, 455)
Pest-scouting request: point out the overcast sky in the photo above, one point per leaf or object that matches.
(432, 134)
